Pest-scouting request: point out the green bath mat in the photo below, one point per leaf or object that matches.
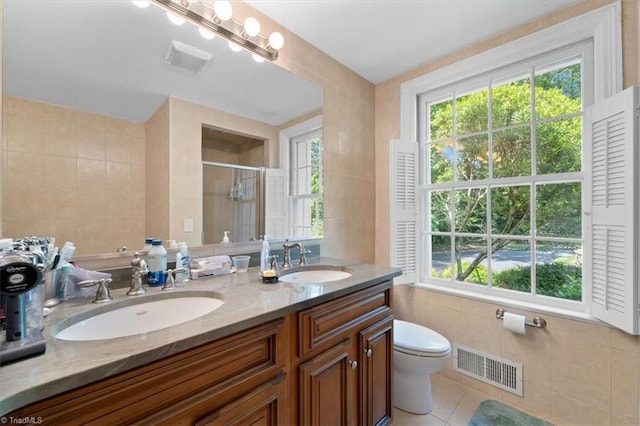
(494, 413)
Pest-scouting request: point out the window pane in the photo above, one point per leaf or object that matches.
(441, 154)
(559, 270)
(511, 103)
(511, 264)
(559, 146)
(558, 90)
(473, 153)
(317, 215)
(440, 211)
(559, 210)
(512, 152)
(441, 256)
(510, 210)
(471, 255)
(441, 120)
(472, 112)
(471, 210)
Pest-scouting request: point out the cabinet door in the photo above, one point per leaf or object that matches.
(376, 374)
(328, 391)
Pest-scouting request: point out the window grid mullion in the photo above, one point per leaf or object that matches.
(534, 173)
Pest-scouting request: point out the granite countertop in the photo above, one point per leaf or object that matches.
(247, 302)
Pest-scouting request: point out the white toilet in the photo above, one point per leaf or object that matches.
(418, 352)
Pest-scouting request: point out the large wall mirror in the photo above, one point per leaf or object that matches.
(104, 140)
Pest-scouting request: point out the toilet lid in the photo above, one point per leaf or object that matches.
(416, 338)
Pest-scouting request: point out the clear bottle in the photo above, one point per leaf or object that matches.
(264, 256)
(157, 264)
(183, 260)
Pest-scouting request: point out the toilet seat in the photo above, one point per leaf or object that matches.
(414, 339)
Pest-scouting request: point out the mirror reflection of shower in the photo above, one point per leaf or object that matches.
(232, 201)
(233, 196)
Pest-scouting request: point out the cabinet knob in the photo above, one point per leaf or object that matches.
(353, 364)
(368, 352)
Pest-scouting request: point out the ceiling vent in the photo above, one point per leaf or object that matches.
(188, 57)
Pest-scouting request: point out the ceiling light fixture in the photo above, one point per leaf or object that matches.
(215, 17)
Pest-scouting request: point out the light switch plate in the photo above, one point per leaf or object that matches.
(188, 225)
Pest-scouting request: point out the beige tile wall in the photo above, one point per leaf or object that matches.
(575, 373)
(72, 175)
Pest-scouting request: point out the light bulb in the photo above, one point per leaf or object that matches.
(176, 20)
(276, 40)
(141, 3)
(259, 59)
(206, 33)
(251, 27)
(234, 47)
(223, 10)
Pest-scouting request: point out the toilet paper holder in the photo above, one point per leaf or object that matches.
(537, 322)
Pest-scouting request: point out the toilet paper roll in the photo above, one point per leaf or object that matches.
(514, 323)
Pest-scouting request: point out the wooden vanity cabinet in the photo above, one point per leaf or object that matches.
(239, 379)
(330, 364)
(345, 360)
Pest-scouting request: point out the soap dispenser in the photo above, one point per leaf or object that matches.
(264, 256)
(225, 239)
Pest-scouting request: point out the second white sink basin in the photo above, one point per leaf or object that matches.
(140, 318)
(315, 276)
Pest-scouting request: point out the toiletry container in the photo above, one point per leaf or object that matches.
(225, 239)
(264, 256)
(183, 260)
(157, 264)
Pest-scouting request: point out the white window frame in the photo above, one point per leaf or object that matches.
(286, 137)
(521, 69)
(602, 26)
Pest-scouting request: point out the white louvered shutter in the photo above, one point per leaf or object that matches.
(404, 209)
(612, 126)
(275, 203)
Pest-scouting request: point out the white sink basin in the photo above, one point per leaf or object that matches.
(140, 318)
(315, 276)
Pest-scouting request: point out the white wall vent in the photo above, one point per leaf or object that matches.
(501, 373)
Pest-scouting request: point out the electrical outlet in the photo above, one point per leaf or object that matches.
(188, 225)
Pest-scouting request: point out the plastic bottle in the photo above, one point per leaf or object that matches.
(183, 259)
(225, 239)
(157, 263)
(264, 256)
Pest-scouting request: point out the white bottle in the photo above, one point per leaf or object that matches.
(225, 239)
(183, 259)
(157, 264)
(264, 256)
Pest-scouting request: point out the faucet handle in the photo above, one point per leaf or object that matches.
(171, 278)
(102, 294)
(303, 255)
(274, 262)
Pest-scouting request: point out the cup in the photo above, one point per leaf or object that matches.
(241, 263)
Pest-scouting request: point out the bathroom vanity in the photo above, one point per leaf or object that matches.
(314, 353)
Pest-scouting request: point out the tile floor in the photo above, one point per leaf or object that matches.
(453, 405)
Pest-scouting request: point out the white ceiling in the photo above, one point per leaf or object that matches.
(381, 39)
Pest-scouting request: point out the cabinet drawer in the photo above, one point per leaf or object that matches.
(241, 361)
(324, 325)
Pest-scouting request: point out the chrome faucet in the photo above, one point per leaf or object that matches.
(138, 269)
(286, 263)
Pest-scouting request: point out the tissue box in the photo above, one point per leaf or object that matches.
(210, 266)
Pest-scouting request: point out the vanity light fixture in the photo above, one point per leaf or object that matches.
(214, 17)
